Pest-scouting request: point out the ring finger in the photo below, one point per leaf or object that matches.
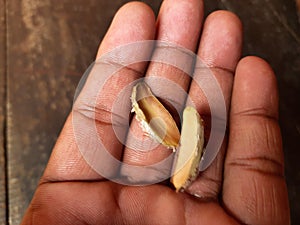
(219, 50)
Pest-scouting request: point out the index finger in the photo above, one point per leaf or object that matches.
(134, 22)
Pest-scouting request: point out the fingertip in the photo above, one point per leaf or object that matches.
(226, 17)
(257, 67)
(141, 10)
(221, 41)
(254, 63)
(133, 22)
(180, 22)
(255, 88)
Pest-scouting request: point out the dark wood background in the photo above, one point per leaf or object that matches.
(45, 47)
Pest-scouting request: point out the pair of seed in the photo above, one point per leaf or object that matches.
(158, 123)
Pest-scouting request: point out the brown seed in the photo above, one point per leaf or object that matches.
(154, 118)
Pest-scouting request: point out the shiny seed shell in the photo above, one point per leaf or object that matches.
(154, 118)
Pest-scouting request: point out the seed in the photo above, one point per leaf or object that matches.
(188, 156)
(158, 123)
(154, 118)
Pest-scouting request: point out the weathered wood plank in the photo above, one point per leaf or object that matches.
(2, 112)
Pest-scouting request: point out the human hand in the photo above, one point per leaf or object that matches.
(245, 183)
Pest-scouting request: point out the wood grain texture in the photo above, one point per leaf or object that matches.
(2, 112)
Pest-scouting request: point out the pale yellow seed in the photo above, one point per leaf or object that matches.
(188, 156)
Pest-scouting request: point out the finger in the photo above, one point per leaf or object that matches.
(254, 188)
(219, 50)
(133, 22)
(179, 22)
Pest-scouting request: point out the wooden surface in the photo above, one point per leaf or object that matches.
(45, 46)
(2, 113)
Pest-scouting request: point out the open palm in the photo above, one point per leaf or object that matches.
(245, 183)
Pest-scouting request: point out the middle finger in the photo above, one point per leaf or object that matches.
(179, 22)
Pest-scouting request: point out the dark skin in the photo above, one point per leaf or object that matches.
(244, 185)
